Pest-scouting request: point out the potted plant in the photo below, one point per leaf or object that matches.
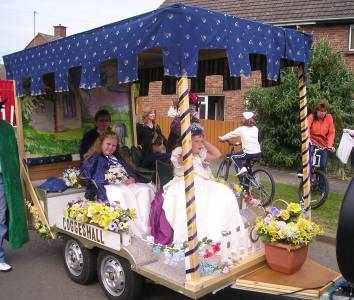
(286, 234)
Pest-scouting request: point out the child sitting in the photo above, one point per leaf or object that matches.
(251, 148)
(216, 205)
(124, 190)
(153, 150)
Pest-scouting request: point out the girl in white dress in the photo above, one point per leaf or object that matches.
(216, 205)
(128, 193)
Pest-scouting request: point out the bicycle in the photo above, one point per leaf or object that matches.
(318, 197)
(259, 182)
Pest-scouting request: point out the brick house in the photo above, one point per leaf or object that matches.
(42, 38)
(331, 19)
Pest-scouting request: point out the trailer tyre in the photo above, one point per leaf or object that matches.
(117, 278)
(79, 261)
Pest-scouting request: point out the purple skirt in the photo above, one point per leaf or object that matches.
(161, 230)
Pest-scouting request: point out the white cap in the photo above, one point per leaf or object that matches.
(248, 115)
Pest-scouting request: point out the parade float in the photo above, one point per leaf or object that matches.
(69, 78)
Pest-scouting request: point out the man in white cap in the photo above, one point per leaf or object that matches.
(251, 148)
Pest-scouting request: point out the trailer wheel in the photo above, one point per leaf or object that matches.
(79, 261)
(117, 278)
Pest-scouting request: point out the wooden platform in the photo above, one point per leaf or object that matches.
(310, 281)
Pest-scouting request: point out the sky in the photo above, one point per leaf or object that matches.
(17, 17)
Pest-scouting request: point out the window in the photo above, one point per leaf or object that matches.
(211, 107)
(69, 105)
(351, 38)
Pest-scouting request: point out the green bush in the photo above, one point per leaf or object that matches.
(277, 108)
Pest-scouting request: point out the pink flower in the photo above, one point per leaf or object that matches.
(208, 253)
(268, 219)
(280, 224)
(255, 202)
(225, 270)
(216, 247)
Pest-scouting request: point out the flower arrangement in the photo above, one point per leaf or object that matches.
(38, 226)
(113, 218)
(70, 177)
(286, 226)
(116, 174)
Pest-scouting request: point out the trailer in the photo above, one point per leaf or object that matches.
(167, 44)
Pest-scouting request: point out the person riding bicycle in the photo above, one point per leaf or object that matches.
(322, 132)
(251, 148)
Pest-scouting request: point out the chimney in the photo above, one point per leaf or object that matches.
(59, 31)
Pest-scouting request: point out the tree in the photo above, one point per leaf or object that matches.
(278, 110)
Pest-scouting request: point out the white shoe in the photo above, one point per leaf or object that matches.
(242, 171)
(4, 267)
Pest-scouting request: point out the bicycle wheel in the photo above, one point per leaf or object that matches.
(318, 197)
(224, 168)
(262, 186)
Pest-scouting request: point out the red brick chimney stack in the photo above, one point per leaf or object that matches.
(60, 30)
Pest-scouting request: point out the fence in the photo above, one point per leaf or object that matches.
(213, 129)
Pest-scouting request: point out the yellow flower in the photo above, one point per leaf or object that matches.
(237, 188)
(123, 226)
(284, 214)
(294, 208)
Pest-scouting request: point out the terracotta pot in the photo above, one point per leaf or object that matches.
(284, 258)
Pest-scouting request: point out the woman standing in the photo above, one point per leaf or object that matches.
(148, 127)
(322, 131)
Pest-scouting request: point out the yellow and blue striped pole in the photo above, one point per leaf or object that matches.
(191, 255)
(305, 142)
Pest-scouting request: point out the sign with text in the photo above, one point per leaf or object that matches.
(93, 233)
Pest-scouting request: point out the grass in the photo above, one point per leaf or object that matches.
(326, 215)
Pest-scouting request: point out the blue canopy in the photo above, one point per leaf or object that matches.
(179, 31)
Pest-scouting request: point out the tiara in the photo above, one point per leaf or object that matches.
(196, 128)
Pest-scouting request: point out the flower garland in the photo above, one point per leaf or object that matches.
(70, 177)
(209, 265)
(39, 227)
(231, 185)
(249, 199)
(112, 218)
(116, 174)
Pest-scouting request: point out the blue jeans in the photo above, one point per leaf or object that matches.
(3, 227)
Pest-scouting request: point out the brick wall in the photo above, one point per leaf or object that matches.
(338, 35)
(38, 40)
(234, 102)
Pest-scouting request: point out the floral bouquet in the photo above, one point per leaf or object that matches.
(286, 226)
(113, 218)
(116, 174)
(70, 177)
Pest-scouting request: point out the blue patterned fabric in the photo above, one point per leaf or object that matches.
(53, 185)
(180, 31)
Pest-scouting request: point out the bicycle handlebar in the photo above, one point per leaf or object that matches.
(231, 144)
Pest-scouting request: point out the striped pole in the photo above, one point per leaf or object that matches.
(305, 142)
(191, 255)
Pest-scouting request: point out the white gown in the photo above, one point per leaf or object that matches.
(138, 196)
(216, 205)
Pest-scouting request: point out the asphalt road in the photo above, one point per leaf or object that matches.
(39, 273)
